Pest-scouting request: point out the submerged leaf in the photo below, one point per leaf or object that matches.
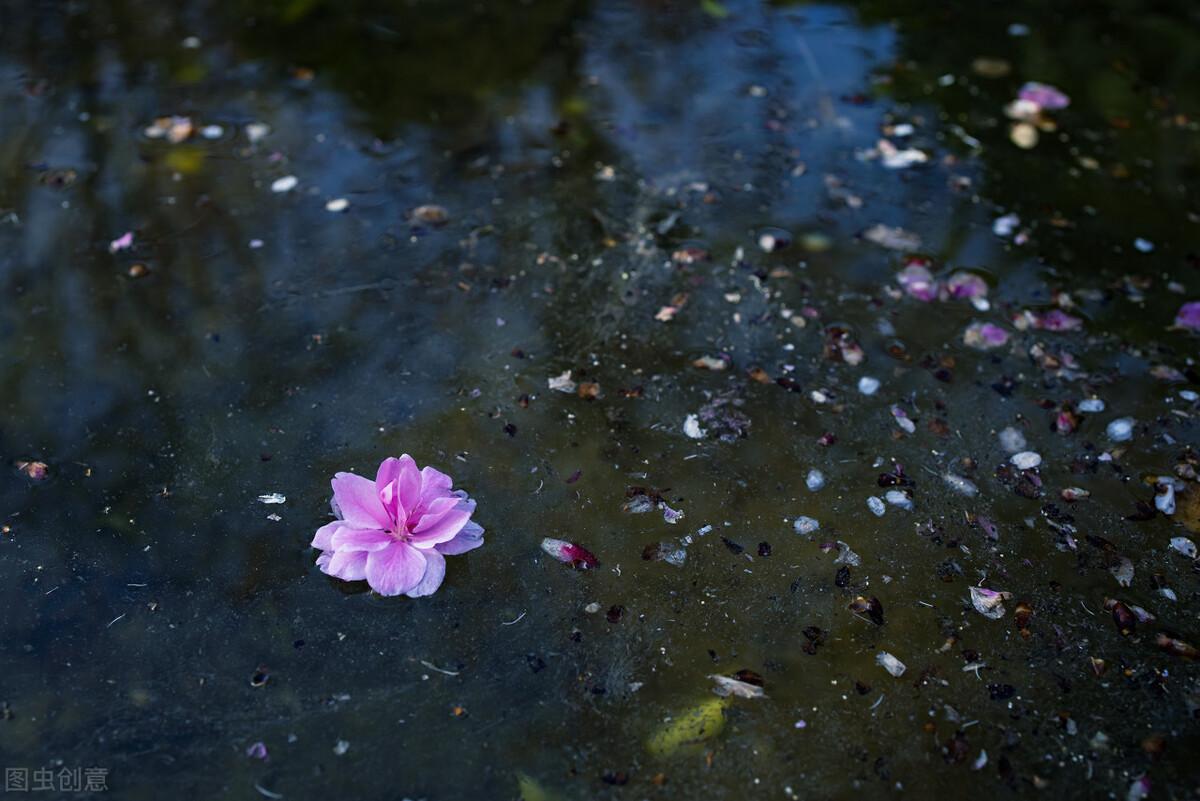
(689, 731)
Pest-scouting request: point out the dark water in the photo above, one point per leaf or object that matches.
(157, 623)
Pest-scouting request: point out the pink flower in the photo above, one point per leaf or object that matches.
(396, 530)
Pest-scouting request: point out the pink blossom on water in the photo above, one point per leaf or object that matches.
(963, 284)
(396, 531)
(1189, 316)
(917, 281)
(984, 336)
(1044, 96)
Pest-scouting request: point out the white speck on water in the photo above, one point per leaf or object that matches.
(1091, 405)
(868, 385)
(272, 497)
(815, 480)
(1012, 440)
(1026, 460)
(1120, 430)
(898, 498)
(876, 506)
(805, 525)
(285, 184)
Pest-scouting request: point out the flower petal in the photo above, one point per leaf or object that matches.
(408, 483)
(346, 565)
(322, 539)
(441, 528)
(395, 569)
(467, 539)
(360, 539)
(358, 502)
(435, 571)
(434, 484)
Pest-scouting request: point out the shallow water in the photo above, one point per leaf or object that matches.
(157, 623)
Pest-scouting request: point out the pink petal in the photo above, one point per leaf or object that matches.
(434, 484)
(432, 530)
(569, 553)
(346, 565)
(408, 483)
(394, 570)
(358, 503)
(357, 539)
(435, 571)
(468, 539)
(324, 535)
(1188, 316)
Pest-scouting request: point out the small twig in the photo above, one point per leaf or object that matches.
(115, 619)
(267, 793)
(434, 667)
(878, 701)
(513, 622)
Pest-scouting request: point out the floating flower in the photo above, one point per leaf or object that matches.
(396, 530)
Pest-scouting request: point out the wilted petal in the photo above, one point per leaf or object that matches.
(358, 502)
(468, 539)
(435, 572)
(569, 553)
(1189, 316)
(394, 570)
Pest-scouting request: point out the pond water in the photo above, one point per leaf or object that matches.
(391, 227)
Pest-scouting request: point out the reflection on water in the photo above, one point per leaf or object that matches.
(607, 170)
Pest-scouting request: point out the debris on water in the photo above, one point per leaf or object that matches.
(285, 184)
(899, 498)
(1139, 790)
(689, 731)
(961, 485)
(341, 747)
(989, 603)
(258, 751)
(1043, 96)
(1026, 460)
(1090, 405)
(868, 385)
(892, 238)
(984, 336)
(895, 158)
(1143, 245)
(257, 131)
(272, 497)
(569, 553)
(1184, 546)
(174, 129)
(1005, 226)
(1176, 647)
(714, 363)
(876, 506)
(1012, 440)
(917, 280)
(903, 420)
(337, 205)
(33, 470)
(1188, 316)
(691, 427)
(1164, 494)
(1123, 572)
(430, 214)
(805, 525)
(1024, 135)
(1120, 430)
(122, 242)
(890, 663)
(771, 240)
(868, 608)
(1052, 320)
(815, 480)
(667, 552)
(846, 555)
(727, 686)
(723, 418)
(1074, 494)
(561, 383)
